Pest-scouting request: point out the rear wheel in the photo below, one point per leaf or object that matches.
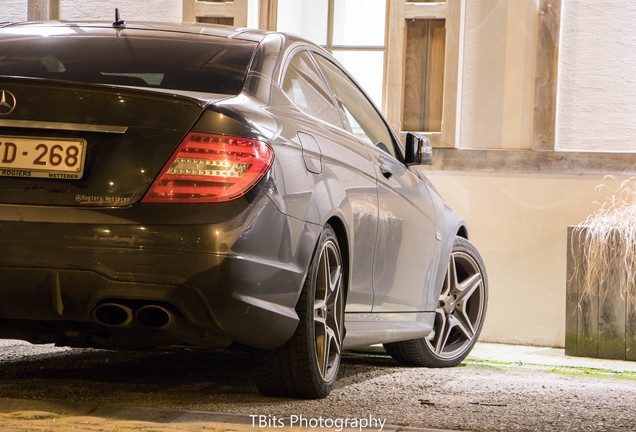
(308, 364)
(459, 316)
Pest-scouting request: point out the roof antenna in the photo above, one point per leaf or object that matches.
(118, 21)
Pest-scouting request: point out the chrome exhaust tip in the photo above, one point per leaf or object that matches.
(154, 316)
(113, 315)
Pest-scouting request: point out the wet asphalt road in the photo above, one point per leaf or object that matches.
(469, 397)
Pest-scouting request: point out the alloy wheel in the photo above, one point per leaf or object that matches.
(461, 307)
(328, 311)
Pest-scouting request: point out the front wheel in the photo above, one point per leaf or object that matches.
(307, 365)
(459, 316)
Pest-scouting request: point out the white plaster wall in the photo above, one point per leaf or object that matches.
(130, 10)
(597, 78)
(13, 10)
(308, 19)
(500, 42)
(519, 224)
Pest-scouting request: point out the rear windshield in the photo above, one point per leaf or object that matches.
(183, 62)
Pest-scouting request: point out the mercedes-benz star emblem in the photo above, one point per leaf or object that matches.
(7, 102)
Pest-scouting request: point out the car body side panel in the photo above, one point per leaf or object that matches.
(315, 198)
(406, 240)
(345, 188)
(354, 193)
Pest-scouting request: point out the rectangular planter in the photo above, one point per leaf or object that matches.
(601, 324)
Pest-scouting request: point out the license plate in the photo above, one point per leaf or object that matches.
(42, 157)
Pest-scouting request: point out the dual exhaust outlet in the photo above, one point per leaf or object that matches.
(118, 315)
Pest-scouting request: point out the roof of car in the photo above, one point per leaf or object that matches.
(174, 27)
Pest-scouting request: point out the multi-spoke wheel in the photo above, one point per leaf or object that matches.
(459, 316)
(328, 311)
(308, 364)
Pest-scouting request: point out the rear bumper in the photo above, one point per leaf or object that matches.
(231, 273)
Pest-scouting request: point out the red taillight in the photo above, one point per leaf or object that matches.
(211, 168)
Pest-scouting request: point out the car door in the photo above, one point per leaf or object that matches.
(406, 237)
(344, 173)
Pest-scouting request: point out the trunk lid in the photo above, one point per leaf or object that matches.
(122, 135)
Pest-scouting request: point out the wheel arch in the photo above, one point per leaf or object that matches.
(463, 232)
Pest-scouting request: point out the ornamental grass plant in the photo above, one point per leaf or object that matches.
(607, 243)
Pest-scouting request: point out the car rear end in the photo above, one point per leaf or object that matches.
(129, 214)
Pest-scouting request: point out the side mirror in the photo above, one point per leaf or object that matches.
(418, 150)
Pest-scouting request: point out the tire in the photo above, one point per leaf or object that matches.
(307, 365)
(459, 316)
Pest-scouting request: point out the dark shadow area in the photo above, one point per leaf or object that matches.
(175, 378)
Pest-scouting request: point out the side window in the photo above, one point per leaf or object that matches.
(363, 119)
(306, 88)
